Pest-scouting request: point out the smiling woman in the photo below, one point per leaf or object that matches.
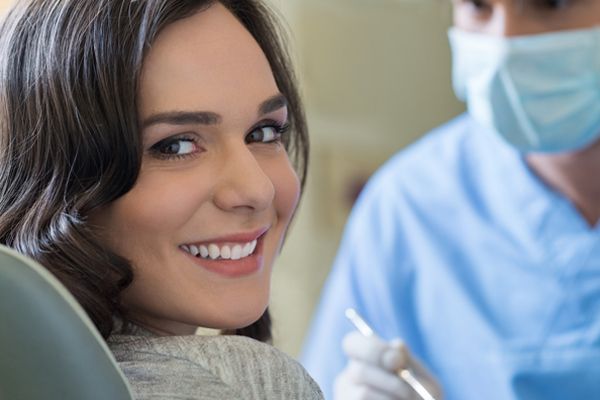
(215, 180)
(152, 156)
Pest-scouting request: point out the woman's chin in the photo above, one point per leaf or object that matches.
(239, 319)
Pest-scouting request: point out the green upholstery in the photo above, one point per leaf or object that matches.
(49, 348)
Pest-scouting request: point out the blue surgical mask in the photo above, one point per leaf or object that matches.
(539, 92)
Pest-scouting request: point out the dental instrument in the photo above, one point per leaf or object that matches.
(404, 373)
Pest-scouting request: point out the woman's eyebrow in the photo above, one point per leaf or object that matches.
(207, 117)
(183, 118)
(271, 104)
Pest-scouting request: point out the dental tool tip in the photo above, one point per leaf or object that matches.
(404, 373)
(358, 322)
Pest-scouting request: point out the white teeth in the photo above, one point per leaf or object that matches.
(236, 252)
(203, 251)
(213, 251)
(247, 250)
(226, 252)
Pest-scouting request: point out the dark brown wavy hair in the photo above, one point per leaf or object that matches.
(69, 134)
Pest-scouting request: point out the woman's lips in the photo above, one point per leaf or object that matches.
(233, 258)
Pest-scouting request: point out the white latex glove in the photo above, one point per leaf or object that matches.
(371, 372)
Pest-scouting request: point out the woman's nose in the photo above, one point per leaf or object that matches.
(243, 184)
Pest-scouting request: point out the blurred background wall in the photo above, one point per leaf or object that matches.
(375, 76)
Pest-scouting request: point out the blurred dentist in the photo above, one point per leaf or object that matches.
(479, 245)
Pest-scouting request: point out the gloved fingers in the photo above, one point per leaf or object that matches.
(374, 351)
(374, 363)
(378, 379)
(397, 356)
(417, 368)
(345, 389)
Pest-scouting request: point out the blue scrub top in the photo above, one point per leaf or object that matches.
(490, 276)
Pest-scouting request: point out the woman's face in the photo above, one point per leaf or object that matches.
(216, 191)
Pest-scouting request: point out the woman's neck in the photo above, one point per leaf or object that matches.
(576, 175)
(161, 327)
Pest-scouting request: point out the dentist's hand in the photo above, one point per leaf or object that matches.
(371, 372)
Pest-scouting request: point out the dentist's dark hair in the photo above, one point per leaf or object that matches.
(69, 135)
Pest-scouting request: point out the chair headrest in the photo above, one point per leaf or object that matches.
(49, 348)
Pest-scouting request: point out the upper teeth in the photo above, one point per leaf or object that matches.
(227, 252)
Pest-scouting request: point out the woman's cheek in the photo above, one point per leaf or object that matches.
(287, 186)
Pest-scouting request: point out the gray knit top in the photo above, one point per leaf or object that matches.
(208, 367)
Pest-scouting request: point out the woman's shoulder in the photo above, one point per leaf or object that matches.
(244, 367)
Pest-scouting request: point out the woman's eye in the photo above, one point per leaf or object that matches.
(265, 134)
(175, 147)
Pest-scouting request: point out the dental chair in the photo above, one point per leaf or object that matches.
(49, 348)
